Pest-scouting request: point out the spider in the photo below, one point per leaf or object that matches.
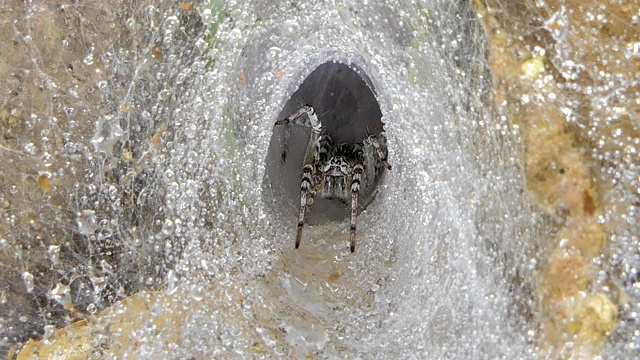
(335, 171)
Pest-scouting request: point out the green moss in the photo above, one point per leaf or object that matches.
(217, 11)
(218, 14)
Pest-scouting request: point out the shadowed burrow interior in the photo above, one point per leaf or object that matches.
(346, 104)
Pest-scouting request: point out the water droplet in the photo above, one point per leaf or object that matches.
(274, 52)
(88, 60)
(191, 130)
(131, 24)
(86, 221)
(46, 159)
(182, 76)
(70, 147)
(27, 277)
(201, 45)
(164, 94)
(192, 157)
(196, 293)
(150, 10)
(167, 41)
(292, 26)
(167, 227)
(168, 176)
(96, 354)
(236, 34)
(108, 133)
(54, 253)
(30, 148)
(49, 336)
(113, 192)
(206, 17)
(171, 24)
(91, 308)
(105, 233)
(172, 283)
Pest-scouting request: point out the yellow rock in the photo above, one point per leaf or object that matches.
(533, 67)
(597, 316)
(79, 341)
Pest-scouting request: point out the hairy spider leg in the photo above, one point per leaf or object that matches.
(306, 198)
(319, 151)
(358, 169)
(382, 151)
(324, 149)
(307, 185)
(296, 118)
(358, 178)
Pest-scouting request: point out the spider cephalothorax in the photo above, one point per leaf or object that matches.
(335, 171)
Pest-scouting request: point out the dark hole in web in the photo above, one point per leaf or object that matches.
(346, 104)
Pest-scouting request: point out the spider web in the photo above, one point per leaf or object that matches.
(133, 158)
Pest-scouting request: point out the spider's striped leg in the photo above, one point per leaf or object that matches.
(356, 179)
(312, 154)
(324, 150)
(358, 170)
(381, 149)
(307, 185)
(306, 198)
(310, 120)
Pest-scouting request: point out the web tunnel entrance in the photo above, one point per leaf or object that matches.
(346, 104)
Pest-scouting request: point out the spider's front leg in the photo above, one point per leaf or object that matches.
(297, 118)
(308, 184)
